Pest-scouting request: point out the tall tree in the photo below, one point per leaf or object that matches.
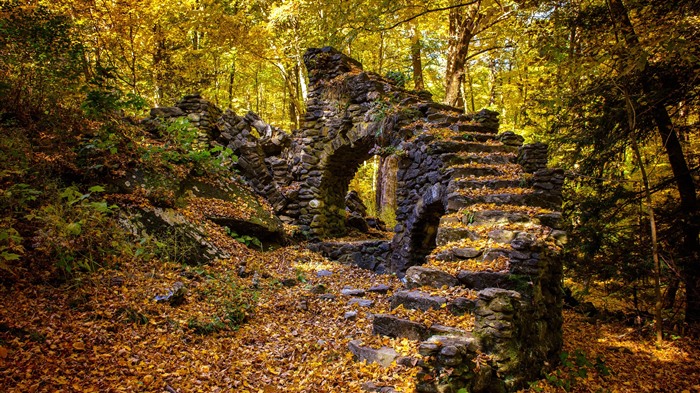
(465, 24)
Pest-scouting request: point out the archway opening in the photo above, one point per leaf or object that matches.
(374, 184)
(424, 234)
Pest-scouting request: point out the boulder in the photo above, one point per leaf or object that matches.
(417, 300)
(383, 356)
(418, 276)
(389, 325)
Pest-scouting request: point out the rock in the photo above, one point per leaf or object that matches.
(373, 387)
(416, 300)
(383, 356)
(418, 276)
(361, 302)
(167, 112)
(466, 252)
(352, 292)
(376, 223)
(324, 273)
(510, 138)
(175, 295)
(242, 272)
(258, 221)
(166, 224)
(440, 330)
(289, 282)
(482, 280)
(318, 289)
(350, 315)
(461, 306)
(381, 288)
(389, 325)
(353, 204)
(355, 220)
(327, 296)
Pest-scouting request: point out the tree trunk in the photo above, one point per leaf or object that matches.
(458, 48)
(688, 262)
(386, 184)
(416, 62)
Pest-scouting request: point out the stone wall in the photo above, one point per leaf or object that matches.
(477, 195)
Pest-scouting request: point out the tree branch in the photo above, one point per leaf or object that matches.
(418, 15)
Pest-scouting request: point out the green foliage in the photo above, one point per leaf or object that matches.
(398, 78)
(10, 247)
(77, 231)
(103, 98)
(131, 315)
(182, 146)
(236, 307)
(18, 196)
(363, 184)
(576, 366)
(41, 59)
(245, 239)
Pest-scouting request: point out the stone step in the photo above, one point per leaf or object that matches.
(476, 215)
(483, 280)
(451, 234)
(439, 147)
(457, 172)
(418, 276)
(519, 259)
(456, 202)
(493, 183)
(418, 300)
(473, 127)
(392, 326)
(474, 136)
(477, 158)
(396, 327)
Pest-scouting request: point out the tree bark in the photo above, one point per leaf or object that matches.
(686, 187)
(416, 62)
(458, 48)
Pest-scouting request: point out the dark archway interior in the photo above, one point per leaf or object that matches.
(424, 233)
(340, 169)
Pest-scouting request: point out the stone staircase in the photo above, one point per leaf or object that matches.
(478, 231)
(482, 304)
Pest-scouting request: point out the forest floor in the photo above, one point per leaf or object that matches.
(256, 323)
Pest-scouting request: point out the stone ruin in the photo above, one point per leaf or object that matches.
(476, 209)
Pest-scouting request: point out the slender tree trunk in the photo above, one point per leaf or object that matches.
(416, 59)
(658, 326)
(690, 266)
(231, 77)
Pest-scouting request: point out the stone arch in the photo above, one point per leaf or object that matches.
(338, 168)
(420, 233)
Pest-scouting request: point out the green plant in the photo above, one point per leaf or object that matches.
(103, 98)
(131, 315)
(245, 239)
(398, 78)
(468, 217)
(18, 196)
(576, 366)
(235, 311)
(77, 231)
(10, 247)
(182, 146)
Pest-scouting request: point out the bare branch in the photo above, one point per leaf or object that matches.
(418, 15)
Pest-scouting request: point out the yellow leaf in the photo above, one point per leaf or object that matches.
(3, 352)
(79, 346)
(148, 379)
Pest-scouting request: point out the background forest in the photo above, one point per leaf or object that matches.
(611, 85)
